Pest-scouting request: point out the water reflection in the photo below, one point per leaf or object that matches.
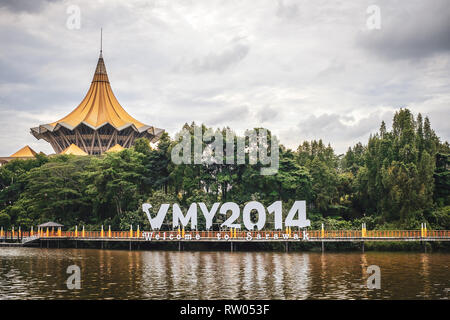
(424, 259)
(27, 273)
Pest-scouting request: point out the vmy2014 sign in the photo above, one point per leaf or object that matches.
(296, 217)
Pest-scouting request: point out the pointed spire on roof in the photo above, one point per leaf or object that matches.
(100, 74)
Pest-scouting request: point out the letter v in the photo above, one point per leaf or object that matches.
(155, 223)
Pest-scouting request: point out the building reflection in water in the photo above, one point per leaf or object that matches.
(425, 273)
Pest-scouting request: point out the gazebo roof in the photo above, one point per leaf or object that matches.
(50, 224)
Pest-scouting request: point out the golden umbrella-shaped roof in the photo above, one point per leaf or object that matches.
(99, 107)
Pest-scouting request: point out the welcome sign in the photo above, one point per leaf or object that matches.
(248, 236)
(296, 216)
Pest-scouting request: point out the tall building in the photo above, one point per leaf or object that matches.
(98, 123)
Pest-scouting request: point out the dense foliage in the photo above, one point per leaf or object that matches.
(398, 180)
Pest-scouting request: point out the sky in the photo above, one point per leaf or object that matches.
(303, 69)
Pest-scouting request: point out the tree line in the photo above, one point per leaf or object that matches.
(398, 179)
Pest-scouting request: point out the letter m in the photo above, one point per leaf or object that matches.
(178, 216)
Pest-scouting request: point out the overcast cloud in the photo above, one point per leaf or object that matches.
(303, 69)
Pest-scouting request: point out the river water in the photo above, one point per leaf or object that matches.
(31, 273)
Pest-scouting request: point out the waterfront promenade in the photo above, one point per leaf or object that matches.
(44, 238)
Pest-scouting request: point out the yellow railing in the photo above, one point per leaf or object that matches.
(235, 234)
